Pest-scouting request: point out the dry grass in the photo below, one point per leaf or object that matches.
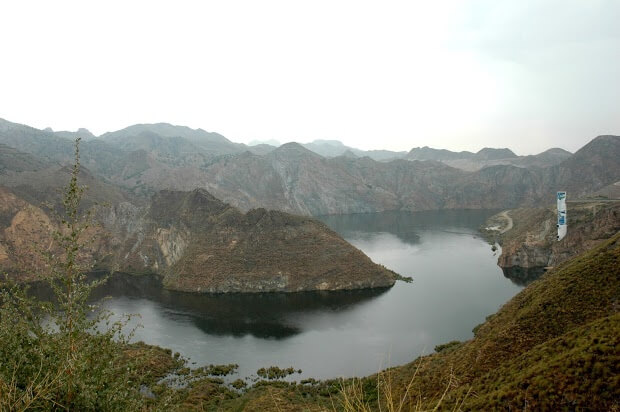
(42, 387)
(390, 397)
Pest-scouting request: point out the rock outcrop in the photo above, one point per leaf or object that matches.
(531, 242)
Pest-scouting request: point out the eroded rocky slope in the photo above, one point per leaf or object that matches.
(530, 241)
(198, 243)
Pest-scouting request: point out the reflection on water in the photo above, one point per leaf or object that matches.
(328, 334)
(262, 315)
(523, 276)
(406, 225)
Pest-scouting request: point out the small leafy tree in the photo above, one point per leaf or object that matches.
(68, 355)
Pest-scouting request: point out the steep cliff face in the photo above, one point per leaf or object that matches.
(21, 226)
(26, 236)
(531, 241)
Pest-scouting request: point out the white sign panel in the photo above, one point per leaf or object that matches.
(561, 215)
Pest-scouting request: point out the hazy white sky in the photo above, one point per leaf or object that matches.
(527, 74)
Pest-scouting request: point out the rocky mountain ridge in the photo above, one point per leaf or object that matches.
(293, 179)
(335, 148)
(145, 159)
(487, 153)
(486, 157)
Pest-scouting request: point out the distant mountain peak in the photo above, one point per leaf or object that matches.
(487, 153)
(81, 133)
(490, 153)
(429, 153)
(328, 148)
(171, 139)
(166, 130)
(556, 151)
(600, 142)
(606, 138)
(291, 146)
(348, 153)
(335, 143)
(294, 149)
(270, 142)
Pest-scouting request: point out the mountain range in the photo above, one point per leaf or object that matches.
(488, 157)
(141, 160)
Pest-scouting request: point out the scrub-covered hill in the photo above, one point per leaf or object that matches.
(202, 244)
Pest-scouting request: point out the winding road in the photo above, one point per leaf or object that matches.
(505, 215)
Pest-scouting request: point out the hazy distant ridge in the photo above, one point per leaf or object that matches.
(144, 159)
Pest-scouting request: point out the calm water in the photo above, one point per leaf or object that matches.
(329, 334)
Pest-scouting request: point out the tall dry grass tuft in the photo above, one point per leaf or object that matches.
(41, 388)
(390, 397)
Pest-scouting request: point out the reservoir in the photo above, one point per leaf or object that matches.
(456, 284)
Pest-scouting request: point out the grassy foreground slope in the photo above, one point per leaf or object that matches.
(554, 346)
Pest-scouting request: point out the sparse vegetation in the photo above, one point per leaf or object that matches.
(274, 372)
(71, 355)
(216, 370)
(530, 347)
(447, 346)
(397, 276)
(58, 356)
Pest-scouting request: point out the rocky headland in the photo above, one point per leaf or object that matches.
(198, 244)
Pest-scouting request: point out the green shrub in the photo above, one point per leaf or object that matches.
(66, 355)
(446, 346)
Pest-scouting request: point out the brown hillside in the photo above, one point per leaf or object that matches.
(583, 290)
(204, 245)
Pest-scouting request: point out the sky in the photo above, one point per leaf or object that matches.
(460, 75)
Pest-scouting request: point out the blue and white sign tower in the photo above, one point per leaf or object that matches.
(561, 215)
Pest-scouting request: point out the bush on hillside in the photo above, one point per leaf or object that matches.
(66, 355)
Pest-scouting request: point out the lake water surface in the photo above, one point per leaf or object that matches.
(330, 334)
